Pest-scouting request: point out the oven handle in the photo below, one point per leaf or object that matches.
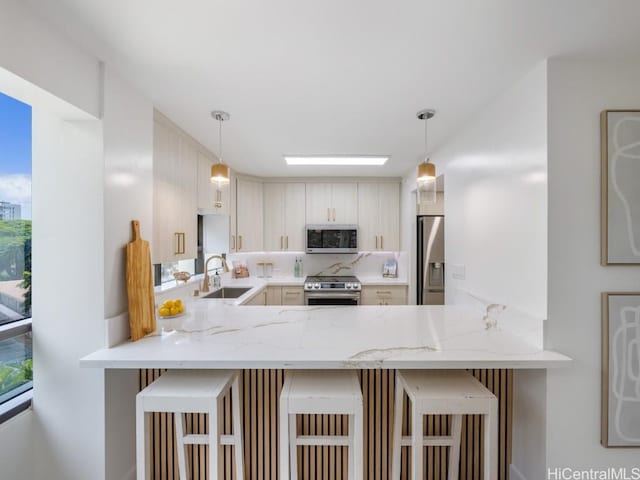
(331, 295)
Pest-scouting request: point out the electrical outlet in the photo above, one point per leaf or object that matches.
(459, 272)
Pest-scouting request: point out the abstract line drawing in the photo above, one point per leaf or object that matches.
(621, 370)
(620, 187)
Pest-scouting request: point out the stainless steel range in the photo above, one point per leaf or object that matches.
(334, 290)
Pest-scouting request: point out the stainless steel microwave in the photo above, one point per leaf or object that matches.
(332, 239)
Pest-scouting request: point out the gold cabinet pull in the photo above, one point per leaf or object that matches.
(328, 214)
(281, 242)
(239, 242)
(381, 242)
(383, 292)
(376, 242)
(176, 243)
(334, 214)
(233, 242)
(286, 242)
(182, 250)
(292, 293)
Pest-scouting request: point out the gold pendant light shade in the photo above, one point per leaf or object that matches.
(219, 173)
(426, 172)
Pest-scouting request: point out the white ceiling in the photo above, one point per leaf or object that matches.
(335, 76)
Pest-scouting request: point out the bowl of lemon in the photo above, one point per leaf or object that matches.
(171, 309)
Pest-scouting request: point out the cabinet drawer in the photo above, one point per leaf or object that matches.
(292, 296)
(384, 295)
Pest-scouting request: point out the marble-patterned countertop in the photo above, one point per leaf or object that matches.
(214, 335)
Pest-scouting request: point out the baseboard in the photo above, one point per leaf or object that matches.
(515, 474)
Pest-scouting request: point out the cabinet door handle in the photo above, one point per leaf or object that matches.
(182, 242)
(376, 242)
(286, 242)
(381, 242)
(383, 292)
(334, 214)
(233, 242)
(176, 243)
(239, 242)
(281, 245)
(328, 214)
(292, 293)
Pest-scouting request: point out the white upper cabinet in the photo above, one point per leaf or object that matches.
(379, 216)
(249, 211)
(332, 203)
(284, 216)
(211, 197)
(175, 161)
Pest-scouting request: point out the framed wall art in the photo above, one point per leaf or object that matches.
(620, 131)
(620, 370)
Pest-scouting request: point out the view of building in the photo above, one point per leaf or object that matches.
(9, 211)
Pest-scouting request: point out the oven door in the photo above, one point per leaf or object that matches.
(331, 298)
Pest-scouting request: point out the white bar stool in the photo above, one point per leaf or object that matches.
(443, 392)
(320, 392)
(190, 391)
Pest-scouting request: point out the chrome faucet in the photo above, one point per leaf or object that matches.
(205, 282)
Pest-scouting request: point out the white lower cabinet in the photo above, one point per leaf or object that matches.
(285, 296)
(260, 299)
(384, 295)
(292, 296)
(274, 295)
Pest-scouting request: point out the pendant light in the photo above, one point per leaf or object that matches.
(220, 171)
(426, 175)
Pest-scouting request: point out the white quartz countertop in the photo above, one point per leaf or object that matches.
(215, 335)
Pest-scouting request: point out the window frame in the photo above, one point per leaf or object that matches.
(12, 407)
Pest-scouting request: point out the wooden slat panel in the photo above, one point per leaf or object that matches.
(260, 390)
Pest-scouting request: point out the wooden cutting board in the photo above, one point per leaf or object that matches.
(142, 315)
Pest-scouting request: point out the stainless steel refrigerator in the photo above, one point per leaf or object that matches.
(430, 257)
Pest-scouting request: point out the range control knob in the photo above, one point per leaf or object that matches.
(316, 285)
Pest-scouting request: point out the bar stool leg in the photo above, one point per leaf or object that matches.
(358, 432)
(237, 429)
(397, 430)
(417, 440)
(454, 453)
(491, 442)
(351, 453)
(214, 441)
(284, 441)
(293, 447)
(181, 431)
(143, 441)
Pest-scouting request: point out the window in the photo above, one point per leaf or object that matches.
(16, 367)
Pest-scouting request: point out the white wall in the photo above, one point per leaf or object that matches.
(16, 447)
(31, 49)
(496, 228)
(68, 300)
(128, 195)
(496, 205)
(578, 92)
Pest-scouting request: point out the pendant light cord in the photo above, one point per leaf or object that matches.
(220, 140)
(426, 144)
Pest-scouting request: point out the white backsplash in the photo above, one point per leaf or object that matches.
(364, 264)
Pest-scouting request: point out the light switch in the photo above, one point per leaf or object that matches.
(459, 272)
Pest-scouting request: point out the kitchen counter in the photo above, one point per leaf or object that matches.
(215, 335)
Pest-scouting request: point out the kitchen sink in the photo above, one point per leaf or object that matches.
(228, 292)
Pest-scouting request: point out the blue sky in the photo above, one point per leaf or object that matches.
(15, 153)
(15, 136)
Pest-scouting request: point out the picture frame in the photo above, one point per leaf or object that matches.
(620, 423)
(620, 197)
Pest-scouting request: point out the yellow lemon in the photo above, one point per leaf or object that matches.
(177, 302)
(175, 310)
(181, 308)
(164, 311)
(168, 304)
